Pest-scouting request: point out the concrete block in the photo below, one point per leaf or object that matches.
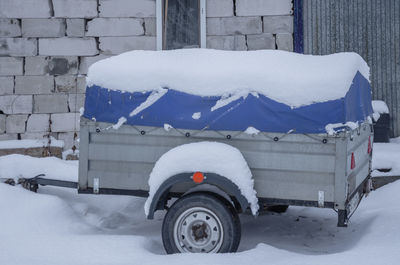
(16, 104)
(127, 8)
(69, 139)
(11, 66)
(25, 9)
(81, 84)
(10, 28)
(64, 122)
(65, 83)
(284, 42)
(38, 123)
(2, 123)
(75, 8)
(263, 7)
(42, 27)
(76, 101)
(150, 26)
(75, 27)
(8, 136)
(41, 151)
(35, 135)
(41, 65)
(63, 65)
(16, 123)
(234, 25)
(22, 104)
(117, 45)
(278, 24)
(55, 103)
(88, 61)
(115, 27)
(237, 43)
(68, 46)
(36, 65)
(219, 8)
(6, 85)
(6, 103)
(262, 41)
(18, 47)
(34, 84)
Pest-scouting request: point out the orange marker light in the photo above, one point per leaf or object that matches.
(198, 177)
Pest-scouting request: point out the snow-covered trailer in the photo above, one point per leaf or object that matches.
(224, 132)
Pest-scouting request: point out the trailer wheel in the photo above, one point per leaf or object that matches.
(201, 223)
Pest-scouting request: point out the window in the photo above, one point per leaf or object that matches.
(181, 24)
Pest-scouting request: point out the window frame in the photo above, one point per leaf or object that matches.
(159, 24)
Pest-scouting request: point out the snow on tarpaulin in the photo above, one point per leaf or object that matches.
(272, 91)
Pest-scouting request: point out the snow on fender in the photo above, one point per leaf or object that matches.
(206, 157)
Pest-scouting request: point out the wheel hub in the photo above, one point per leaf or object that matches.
(198, 230)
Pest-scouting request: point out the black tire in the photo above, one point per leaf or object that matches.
(278, 208)
(222, 214)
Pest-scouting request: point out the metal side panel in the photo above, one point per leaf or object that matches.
(347, 180)
(106, 128)
(267, 159)
(294, 167)
(293, 185)
(118, 180)
(83, 157)
(340, 174)
(359, 147)
(242, 143)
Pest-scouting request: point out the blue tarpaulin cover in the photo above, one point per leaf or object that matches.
(177, 108)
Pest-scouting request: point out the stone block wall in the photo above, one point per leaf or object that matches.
(46, 47)
(250, 24)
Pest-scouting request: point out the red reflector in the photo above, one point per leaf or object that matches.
(353, 161)
(369, 145)
(198, 177)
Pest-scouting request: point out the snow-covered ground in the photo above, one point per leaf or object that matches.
(58, 226)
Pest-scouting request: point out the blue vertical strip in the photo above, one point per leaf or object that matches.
(298, 26)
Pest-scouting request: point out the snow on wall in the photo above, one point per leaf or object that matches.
(28, 143)
(22, 166)
(218, 73)
(380, 106)
(206, 157)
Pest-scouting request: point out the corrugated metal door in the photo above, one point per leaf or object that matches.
(368, 27)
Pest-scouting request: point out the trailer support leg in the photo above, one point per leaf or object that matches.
(342, 218)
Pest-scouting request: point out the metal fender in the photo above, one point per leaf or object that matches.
(209, 178)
